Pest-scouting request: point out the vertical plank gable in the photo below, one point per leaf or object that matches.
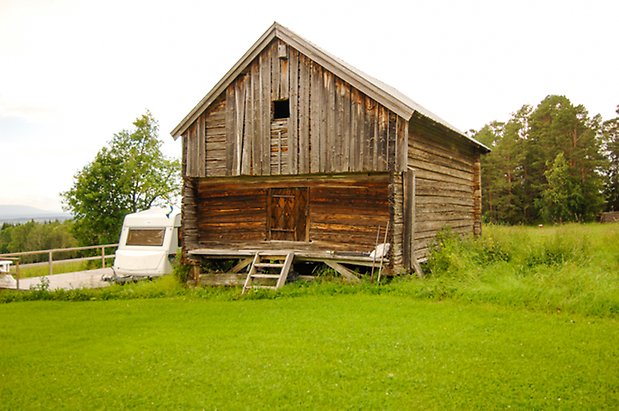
(230, 127)
(256, 78)
(293, 129)
(265, 111)
(332, 127)
(304, 114)
(315, 103)
(340, 123)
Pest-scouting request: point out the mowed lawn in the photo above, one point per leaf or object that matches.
(310, 352)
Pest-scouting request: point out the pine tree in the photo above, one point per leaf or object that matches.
(611, 149)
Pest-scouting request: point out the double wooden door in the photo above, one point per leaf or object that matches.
(288, 213)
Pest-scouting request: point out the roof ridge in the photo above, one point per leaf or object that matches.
(385, 94)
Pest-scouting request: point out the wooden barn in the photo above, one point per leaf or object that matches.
(295, 152)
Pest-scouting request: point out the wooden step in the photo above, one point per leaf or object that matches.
(265, 276)
(265, 265)
(284, 268)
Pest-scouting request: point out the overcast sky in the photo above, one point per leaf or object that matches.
(73, 73)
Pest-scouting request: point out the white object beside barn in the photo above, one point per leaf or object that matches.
(148, 241)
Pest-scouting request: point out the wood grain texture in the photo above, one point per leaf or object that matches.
(342, 211)
(445, 184)
(333, 127)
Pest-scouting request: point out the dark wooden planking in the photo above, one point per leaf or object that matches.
(331, 126)
(215, 148)
(408, 217)
(256, 168)
(477, 198)
(382, 121)
(230, 127)
(315, 117)
(304, 114)
(344, 211)
(274, 67)
(325, 110)
(346, 127)
(393, 140)
(286, 75)
(189, 229)
(265, 110)
(340, 123)
(248, 127)
(357, 131)
(430, 154)
(293, 129)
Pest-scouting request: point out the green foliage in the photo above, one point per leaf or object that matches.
(557, 199)
(180, 271)
(130, 175)
(32, 236)
(315, 352)
(611, 147)
(515, 176)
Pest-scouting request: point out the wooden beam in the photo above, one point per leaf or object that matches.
(343, 271)
(242, 264)
(225, 279)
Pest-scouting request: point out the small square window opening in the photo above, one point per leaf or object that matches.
(281, 109)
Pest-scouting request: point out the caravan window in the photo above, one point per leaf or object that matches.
(146, 236)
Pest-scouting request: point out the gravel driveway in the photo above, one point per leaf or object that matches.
(68, 281)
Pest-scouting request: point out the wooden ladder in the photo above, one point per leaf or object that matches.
(270, 268)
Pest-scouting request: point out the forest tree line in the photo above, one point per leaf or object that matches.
(34, 235)
(553, 163)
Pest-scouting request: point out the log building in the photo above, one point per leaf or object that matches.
(293, 149)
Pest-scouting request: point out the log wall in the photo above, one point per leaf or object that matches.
(344, 210)
(447, 183)
(332, 127)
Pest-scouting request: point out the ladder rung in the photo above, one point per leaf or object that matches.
(263, 286)
(265, 275)
(274, 265)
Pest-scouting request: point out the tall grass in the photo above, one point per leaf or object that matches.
(571, 267)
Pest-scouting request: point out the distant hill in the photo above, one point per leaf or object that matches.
(22, 213)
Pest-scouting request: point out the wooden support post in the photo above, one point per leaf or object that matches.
(195, 273)
(102, 256)
(343, 271)
(50, 262)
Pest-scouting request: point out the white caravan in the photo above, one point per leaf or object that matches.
(148, 241)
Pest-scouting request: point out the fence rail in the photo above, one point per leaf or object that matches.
(50, 256)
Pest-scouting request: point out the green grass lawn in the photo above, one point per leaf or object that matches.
(356, 351)
(522, 318)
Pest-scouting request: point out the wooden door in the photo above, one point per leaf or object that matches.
(287, 214)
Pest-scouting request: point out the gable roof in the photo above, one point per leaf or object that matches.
(376, 89)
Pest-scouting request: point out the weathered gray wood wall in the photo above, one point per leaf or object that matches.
(447, 183)
(332, 128)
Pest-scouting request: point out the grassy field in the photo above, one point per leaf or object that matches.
(522, 318)
(315, 352)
